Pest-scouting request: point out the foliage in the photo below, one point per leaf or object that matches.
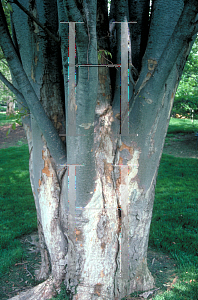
(17, 213)
(11, 119)
(103, 53)
(185, 102)
(6, 5)
(7, 119)
(5, 93)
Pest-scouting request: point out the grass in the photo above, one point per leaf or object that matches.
(6, 120)
(174, 224)
(17, 209)
(182, 126)
(2, 108)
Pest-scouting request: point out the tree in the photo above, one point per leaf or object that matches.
(94, 238)
(185, 103)
(5, 94)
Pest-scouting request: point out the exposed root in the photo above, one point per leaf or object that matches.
(43, 291)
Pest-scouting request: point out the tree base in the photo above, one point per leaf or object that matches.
(43, 291)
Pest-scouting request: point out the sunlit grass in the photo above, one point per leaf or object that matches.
(4, 119)
(174, 225)
(182, 125)
(17, 209)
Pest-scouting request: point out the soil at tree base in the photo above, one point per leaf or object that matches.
(180, 145)
(14, 138)
(21, 276)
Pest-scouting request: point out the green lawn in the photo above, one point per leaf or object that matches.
(6, 120)
(182, 126)
(174, 224)
(17, 209)
(2, 108)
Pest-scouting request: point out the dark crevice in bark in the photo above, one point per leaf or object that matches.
(139, 12)
(45, 268)
(117, 266)
(103, 195)
(75, 13)
(102, 27)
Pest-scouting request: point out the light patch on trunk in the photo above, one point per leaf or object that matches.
(150, 141)
(149, 101)
(133, 164)
(123, 146)
(46, 169)
(152, 64)
(32, 74)
(34, 12)
(99, 247)
(36, 59)
(172, 100)
(48, 194)
(86, 125)
(146, 79)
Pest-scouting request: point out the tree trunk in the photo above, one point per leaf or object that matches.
(10, 107)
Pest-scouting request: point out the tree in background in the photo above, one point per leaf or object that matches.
(186, 98)
(6, 96)
(94, 237)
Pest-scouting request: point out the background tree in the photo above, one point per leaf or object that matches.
(95, 238)
(186, 104)
(6, 96)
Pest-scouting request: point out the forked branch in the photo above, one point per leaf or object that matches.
(32, 17)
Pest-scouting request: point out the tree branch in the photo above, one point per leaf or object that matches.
(74, 11)
(14, 90)
(49, 33)
(54, 142)
(181, 36)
